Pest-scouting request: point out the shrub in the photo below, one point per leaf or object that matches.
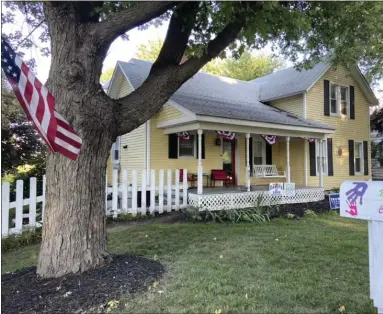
(16, 241)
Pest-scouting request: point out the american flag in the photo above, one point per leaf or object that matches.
(39, 105)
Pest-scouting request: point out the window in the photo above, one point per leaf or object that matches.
(187, 148)
(259, 151)
(358, 157)
(339, 99)
(324, 156)
(116, 150)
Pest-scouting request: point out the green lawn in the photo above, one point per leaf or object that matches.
(313, 265)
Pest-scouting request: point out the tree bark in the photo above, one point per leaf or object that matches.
(74, 224)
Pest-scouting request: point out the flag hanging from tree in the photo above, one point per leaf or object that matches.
(270, 139)
(39, 105)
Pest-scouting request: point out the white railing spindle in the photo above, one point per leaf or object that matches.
(134, 192)
(152, 191)
(5, 190)
(161, 192)
(185, 189)
(143, 193)
(19, 206)
(125, 190)
(177, 190)
(32, 201)
(169, 191)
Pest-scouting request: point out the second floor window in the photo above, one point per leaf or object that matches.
(339, 100)
(358, 157)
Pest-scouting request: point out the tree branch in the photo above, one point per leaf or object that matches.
(136, 108)
(125, 20)
(180, 27)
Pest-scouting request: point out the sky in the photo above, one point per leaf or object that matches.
(120, 50)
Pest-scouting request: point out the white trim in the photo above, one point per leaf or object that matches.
(318, 77)
(113, 79)
(178, 121)
(126, 77)
(359, 77)
(241, 129)
(147, 139)
(361, 157)
(306, 179)
(237, 161)
(321, 151)
(262, 124)
(283, 96)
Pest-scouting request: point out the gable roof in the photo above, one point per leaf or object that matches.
(211, 95)
(289, 82)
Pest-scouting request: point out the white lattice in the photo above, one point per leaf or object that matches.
(234, 200)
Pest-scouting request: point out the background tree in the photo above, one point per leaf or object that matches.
(20, 143)
(106, 76)
(80, 33)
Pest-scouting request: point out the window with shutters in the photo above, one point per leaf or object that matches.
(187, 148)
(259, 151)
(116, 151)
(339, 100)
(358, 157)
(323, 145)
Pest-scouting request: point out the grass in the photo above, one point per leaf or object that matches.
(313, 265)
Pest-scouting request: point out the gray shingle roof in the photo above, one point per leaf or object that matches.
(288, 82)
(211, 95)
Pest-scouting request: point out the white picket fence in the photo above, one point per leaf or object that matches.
(128, 197)
(131, 197)
(18, 224)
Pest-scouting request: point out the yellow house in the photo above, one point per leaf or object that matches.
(318, 119)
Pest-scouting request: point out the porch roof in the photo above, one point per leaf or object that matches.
(214, 96)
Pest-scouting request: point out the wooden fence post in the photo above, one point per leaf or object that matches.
(161, 192)
(125, 193)
(134, 192)
(177, 192)
(152, 191)
(185, 189)
(5, 189)
(32, 201)
(19, 206)
(169, 191)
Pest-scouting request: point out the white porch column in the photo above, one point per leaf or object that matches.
(200, 178)
(320, 163)
(288, 178)
(248, 161)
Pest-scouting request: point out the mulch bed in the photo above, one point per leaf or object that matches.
(24, 292)
(299, 209)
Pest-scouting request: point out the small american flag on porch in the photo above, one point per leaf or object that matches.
(39, 105)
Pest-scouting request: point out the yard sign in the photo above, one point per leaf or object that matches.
(289, 189)
(334, 200)
(364, 200)
(276, 189)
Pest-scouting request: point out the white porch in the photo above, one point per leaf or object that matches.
(238, 197)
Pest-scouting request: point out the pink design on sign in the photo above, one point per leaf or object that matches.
(353, 209)
(380, 211)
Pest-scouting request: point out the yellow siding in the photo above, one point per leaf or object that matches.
(159, 153)
(346, 129)
(168, 113)
(291, 104)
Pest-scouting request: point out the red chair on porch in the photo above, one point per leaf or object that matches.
(190, 178)
(221, 175)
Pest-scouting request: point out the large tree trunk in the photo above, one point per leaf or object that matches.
(74, 234)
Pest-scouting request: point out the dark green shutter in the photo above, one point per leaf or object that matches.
(173, 146)
(326, 99)
(202, 146)
(329, 157)
(251, 161)
(351, 157)
(313, 166)
(352, 102)
(365, 157)
(269, 154)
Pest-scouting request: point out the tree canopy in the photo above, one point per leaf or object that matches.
(80, 35)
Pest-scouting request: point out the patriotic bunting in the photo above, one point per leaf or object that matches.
(270, 139)
(311, 140)
(226, 135)
(184, 136)
(39, 105)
